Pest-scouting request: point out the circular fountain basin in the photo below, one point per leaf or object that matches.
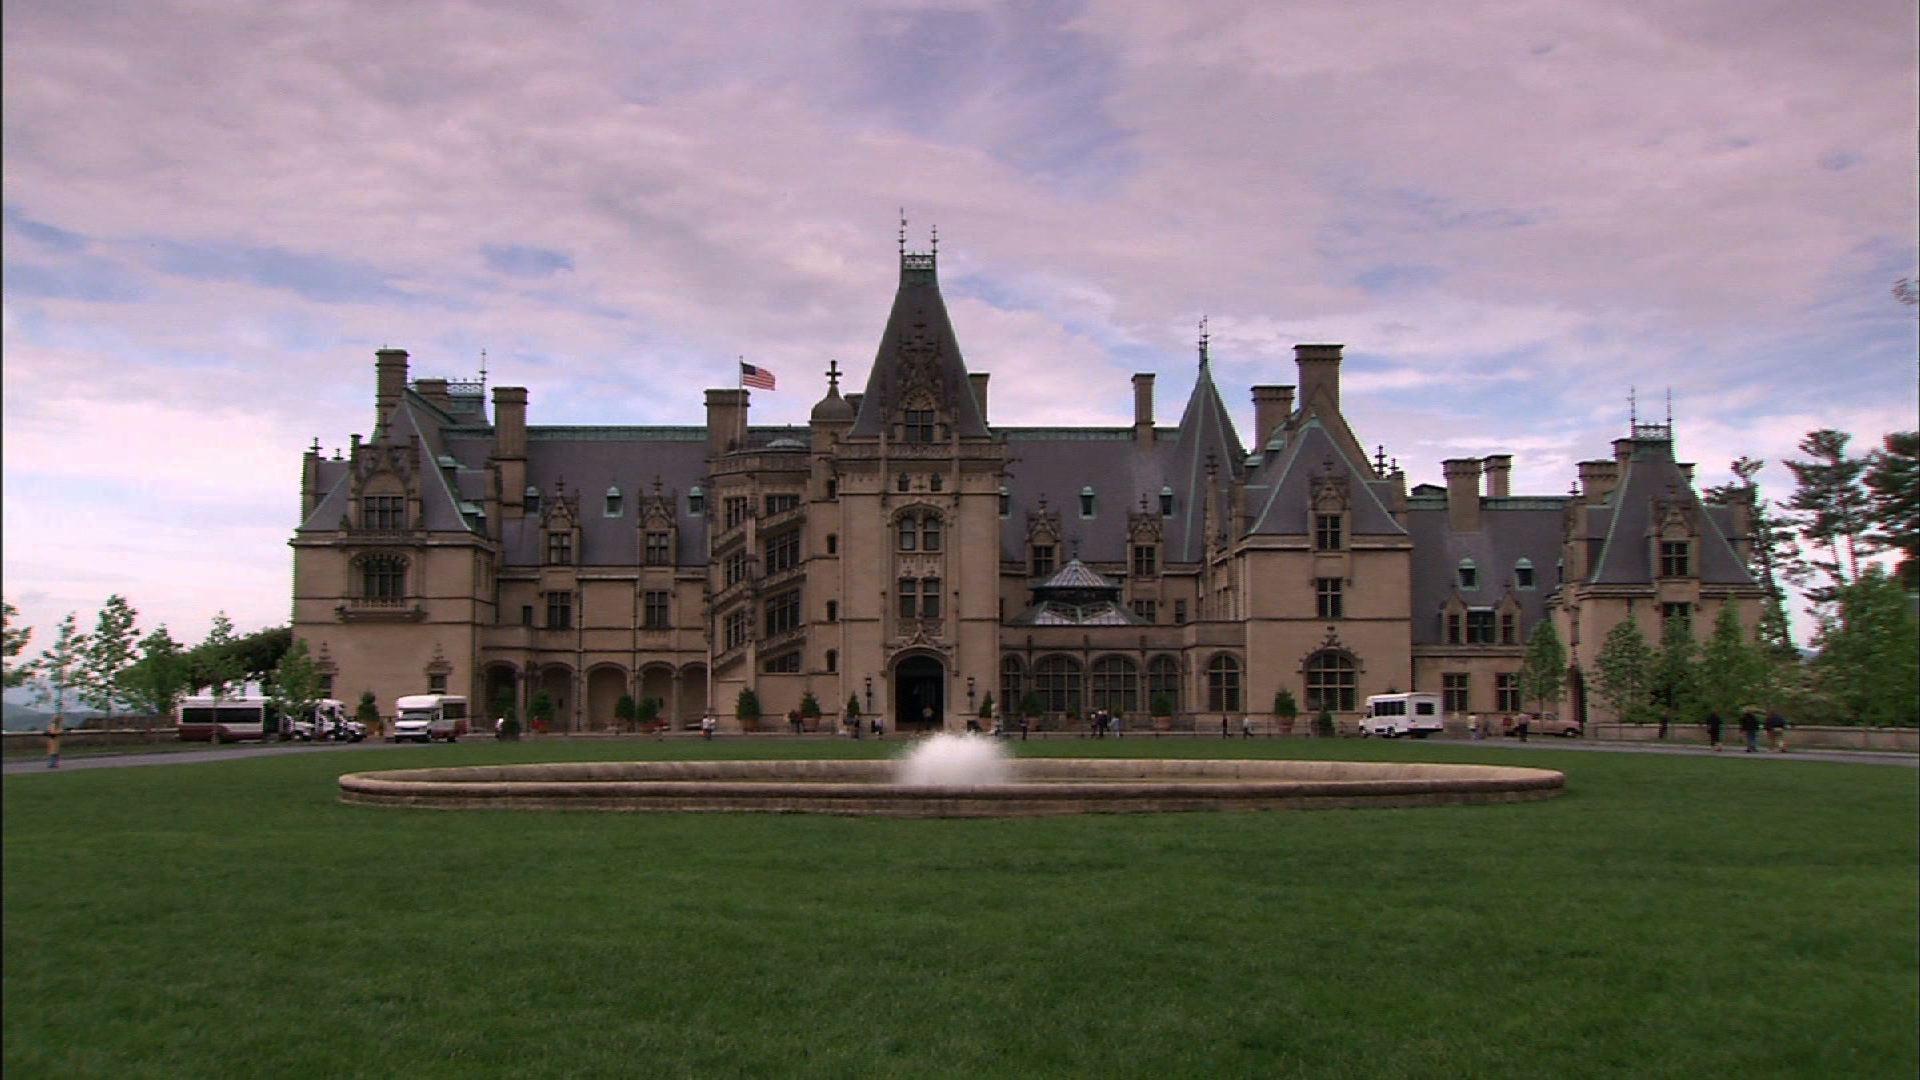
(1040, 786)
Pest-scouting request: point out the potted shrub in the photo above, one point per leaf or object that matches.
(852, 717)
(986, 712)
(1323, 724)
(810, 712)
(540, 711)
(627, 711)
(647, 715)
(368, 713)
(1162, 707)
(747, 708)
(1285, 711)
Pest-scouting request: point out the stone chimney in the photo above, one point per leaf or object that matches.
(1463, 493)
(1319, 374)
(1597, 479)
(1498, 468)
(435, 391)
(978, 381)
(510, 448)
(390, 384)
(1271, 407)
(1622, 451)
(1686, 470)
(1143, 408)
(726, 421)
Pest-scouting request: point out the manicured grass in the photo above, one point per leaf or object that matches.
(1667, 916)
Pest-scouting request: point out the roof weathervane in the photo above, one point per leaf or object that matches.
(936, 240)
(1669, 408)
(483, 367)
(1380, 459)
(903, 230)
(1203, 341)
(1633, 409)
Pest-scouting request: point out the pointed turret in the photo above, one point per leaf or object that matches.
(1206, 433)
(918, 367)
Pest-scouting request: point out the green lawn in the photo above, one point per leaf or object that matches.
(1667, 916)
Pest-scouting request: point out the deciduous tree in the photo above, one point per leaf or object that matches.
(1869, 661)
(1731, 669)
(110, 651)
(59, 666)
(214, 664)
(1676, 672)
(296, 684)
(1544, 671)
(13, 639)
(154, 683)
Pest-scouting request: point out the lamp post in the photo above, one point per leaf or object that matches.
(869, 681)
(971, 707)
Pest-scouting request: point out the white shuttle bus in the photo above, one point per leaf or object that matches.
(1394, 715)
(426, 717)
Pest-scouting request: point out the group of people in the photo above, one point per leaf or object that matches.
(1752, 721)
(852, 726)
(1100, 722)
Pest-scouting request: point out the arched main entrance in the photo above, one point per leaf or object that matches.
(919, 694)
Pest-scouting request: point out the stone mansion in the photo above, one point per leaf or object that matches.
(901, 550)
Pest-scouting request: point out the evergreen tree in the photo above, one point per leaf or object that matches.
(747, 708)
(1676, 672)
(627, 711)
(109, 652)
(1731, 669)
(59, 667)
(12, 641)
(810, 706)
(154, 683)
(368, 712)
(1544, 671)
(1625, 672)
(1893, 487)
(986, 707)
(1869, 660)
(1834, 509)
(647, 713)
(1774, 557)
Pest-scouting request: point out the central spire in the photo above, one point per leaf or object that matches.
(918, 365)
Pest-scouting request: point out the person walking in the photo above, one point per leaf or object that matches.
(1473, 726)
(1526, 721)
(1713, 729)
(1750, 728)
(1023, 727)
(707, 726)
(53, 743)
(1246, 726)
(1114, 722)
(1777, 731)
(879, 729)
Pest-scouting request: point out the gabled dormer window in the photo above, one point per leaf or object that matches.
(696, 502)
(919, 426)
(383, 511)
(532, 500)
(1328, 532)
(1006, 501)
(613, 502)
(560, 548)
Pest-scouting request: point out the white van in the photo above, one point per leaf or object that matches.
(1394, 715)
(426, 717)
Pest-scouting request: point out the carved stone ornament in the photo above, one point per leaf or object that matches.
(1332, 491)
(438, 665)
(1043, 525)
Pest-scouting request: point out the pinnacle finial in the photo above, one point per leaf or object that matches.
(1633, 408)
(936, 240)
(833, 376)
(903, 230)
(1203, 341)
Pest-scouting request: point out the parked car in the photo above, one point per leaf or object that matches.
(1542, 724)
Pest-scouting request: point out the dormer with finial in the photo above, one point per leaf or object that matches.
(918, 394)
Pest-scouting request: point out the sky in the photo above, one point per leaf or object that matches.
(1514, 215)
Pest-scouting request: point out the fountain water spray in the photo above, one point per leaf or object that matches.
(956, 761)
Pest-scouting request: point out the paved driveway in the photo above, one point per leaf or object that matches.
(189, 757)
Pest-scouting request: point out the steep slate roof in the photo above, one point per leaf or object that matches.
(1651, 473)
(590, 460)
(1512, 529)
(1058, 463)
(1205, 430)
(416, 421)
(917, 326)
(1280, 492)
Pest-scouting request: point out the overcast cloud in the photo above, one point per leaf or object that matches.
(1511, 213)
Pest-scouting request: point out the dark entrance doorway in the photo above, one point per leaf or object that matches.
(919, 683)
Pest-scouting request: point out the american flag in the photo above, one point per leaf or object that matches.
(757, 377)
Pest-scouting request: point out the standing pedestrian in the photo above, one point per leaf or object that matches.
(1473, 726)
(707, 726)
(1777, 731)
(1023, 727)
(1713, 729)
(1750, 728)
(1119, 731)
(1525, 722)
(1246, 726)
(879, 729)
(53, 743)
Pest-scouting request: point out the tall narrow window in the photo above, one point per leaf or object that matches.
(1179, 612)
(1013, 686)
(936, 482)
(930, 598)
(654, 611)
(909, 597)
(833, 543)
(1327, 598)
(902, 482)
(930, 533)
(833, 487)
(909, 533)
(1480, 626)
(1509, 628)
(1166, 502)
(532, 501)
(696, 502)
(833, 611)
(1453, 692)
(560, 548)
(1523, 574)
(1469, 576)
(1506, 692)
(1086, 502)
(559, 611)
(1145, 560)
(1223, 684)
(613, 502)
(1147, 610)
(1453, 628)
(1006, 502)
(1326, 532)
(833, 661)
(1670, 612)
(383, 577)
